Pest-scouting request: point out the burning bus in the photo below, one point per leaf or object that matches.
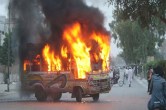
(80, 67)
(63, 47)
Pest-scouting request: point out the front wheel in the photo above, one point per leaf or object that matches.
(95, 97)
(40, 94)
(78, 94)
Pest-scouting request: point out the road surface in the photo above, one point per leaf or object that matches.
(119, 98)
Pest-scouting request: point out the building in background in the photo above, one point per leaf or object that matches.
(3, 28)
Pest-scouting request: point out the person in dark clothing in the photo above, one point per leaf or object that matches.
(116, 75)
(149, 76)
(156, 89)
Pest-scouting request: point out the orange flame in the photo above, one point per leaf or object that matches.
(37, 59)
(104, 42)
(26, 62)
(54, 62)
(80, 52)
(64, 51)
(80, 49)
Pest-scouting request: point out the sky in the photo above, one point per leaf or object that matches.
(3, 7)
(101, 4)
(108, 14)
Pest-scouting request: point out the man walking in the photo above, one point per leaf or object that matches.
(130, 76)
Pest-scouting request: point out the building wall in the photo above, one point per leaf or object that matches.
(3, 28)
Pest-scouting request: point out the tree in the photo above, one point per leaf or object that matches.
(150, 14)
(144, 10)
(145, 24)
(137, 43)
(4, 55)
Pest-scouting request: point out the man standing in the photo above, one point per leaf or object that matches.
(130, 76)
(126, 73)
(149, 76)
(157, 100)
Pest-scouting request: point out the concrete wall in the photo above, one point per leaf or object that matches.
(1, 78)
(13, 78)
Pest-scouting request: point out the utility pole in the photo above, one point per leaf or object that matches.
(8, 73)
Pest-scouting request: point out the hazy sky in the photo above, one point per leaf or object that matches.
(101, 4)
(3, 7)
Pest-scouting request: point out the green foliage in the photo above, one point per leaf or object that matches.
(153, 64)
(4, 49)
(4, 52)
(137, 43)
(150, 15)
(163, 64)
(150, 64)
(144, 10)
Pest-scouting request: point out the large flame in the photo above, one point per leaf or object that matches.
(80, 51)
(53, 61)
(104, 42)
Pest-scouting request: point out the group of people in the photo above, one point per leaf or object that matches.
(156, 87)
(128, 74)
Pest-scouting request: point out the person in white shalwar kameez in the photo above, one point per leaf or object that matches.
(130, 76)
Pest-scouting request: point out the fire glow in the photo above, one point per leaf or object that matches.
(53, 61)
(82, 50)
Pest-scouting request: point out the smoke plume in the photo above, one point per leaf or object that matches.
(43, 21)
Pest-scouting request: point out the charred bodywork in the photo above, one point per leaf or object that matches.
(54, 83)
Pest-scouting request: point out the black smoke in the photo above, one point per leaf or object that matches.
(29, 25)
(60, 13)
(43, 21)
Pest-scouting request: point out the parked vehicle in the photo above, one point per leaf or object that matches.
(115, 77)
